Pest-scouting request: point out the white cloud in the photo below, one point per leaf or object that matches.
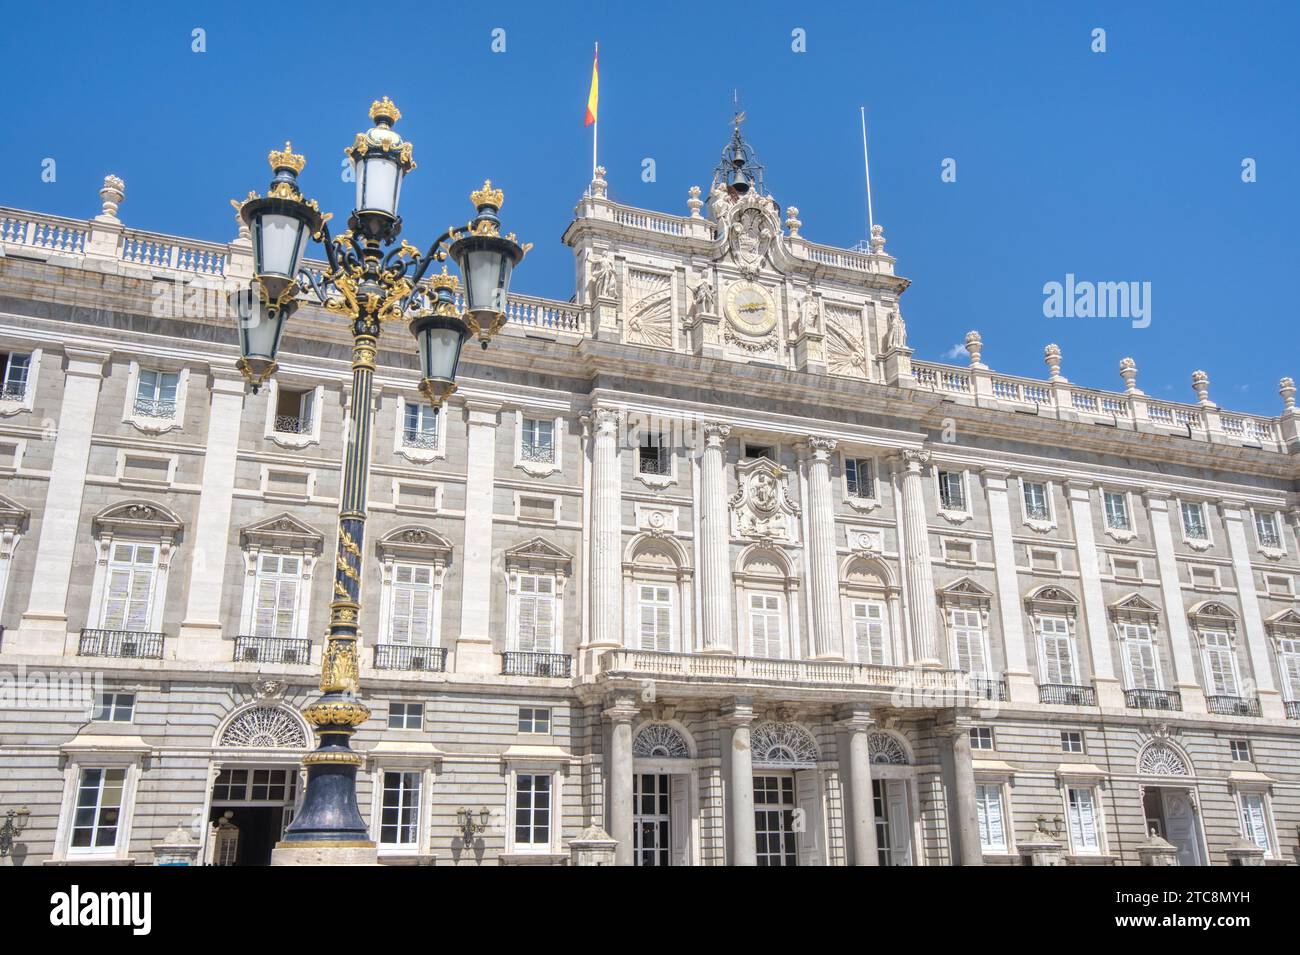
(956, 351)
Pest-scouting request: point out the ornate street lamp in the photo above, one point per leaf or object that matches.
(371, 280)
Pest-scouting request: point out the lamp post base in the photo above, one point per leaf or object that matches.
(323, 853)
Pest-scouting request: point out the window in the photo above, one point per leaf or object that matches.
(13, 376)
(293, 411)
(1254, 820)
(859, 479)
(655, 609)
(99, 810)
(952, 491)
(128, 596)
(537, 442)
(1071, 741)
(275, 612)
(1220, 663)
(759, 451)
(419, 426)
(411, 621)
(114, 707)
(405, 716)
(1194, 527)
(1116, 505)
(155, 394)
(1240, 750)
(869, 631)
(1140, 657)
(653, 456)
(533, 811)
(1288, 661)
(399, 822)
(765, 625)
(1036, 505)
(1266, 529)
(968, 641)
(1084, 838)
(989, 811)
(266, 785)
(534, 719)
(536, 614)
(1058, 651)
(981, 737)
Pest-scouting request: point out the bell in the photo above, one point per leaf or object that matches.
(739, 179)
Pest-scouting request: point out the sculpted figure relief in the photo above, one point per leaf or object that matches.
(604, 278)
(897, 334)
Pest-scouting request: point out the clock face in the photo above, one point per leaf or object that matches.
(750, 308)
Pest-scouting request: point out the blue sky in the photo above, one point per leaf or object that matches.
(1115, 166)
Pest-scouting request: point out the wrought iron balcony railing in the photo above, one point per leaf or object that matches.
(155, 408)
(537, 452)
(1233, 705)
(651, 463)
(986, 688)
(1292, 706)
(401, 656)
(516, 663)
(291, 424)
(253, 649)
(1142, 699)
(120, 643)
(420, 440)
(13, 391)
(1037, 512)
(1067, 694)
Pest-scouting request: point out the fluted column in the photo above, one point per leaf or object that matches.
(715, 536)
(606, 533)
(619, 768)
(862, 811)
(828, 634)
(918, 575)
(744, 849)
(44, 626)
(964, 814)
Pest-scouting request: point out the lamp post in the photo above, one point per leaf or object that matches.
(371, 280)
(14, 824)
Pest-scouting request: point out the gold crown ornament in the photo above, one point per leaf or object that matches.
(384, 109)
(487, 196)
(286, 159)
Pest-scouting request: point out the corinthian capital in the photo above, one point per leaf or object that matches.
(915, 458)
(820, 447)
(605, 418)
(715, 433)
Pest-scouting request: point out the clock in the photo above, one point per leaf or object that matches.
(750, 308)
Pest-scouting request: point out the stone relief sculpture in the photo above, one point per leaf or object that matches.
(896, 337)
(706, 300)
(762, 508)
(604, 278)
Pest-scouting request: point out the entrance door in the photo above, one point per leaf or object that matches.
(257, 804)
(1180, 825)
(893, 822)
(652, 818)
(774, 806)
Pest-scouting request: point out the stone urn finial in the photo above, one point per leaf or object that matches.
(1286, 388)
(974, 346)
(878, 239)
(112, 193)
(792, 221)
(599, 186)
(1201, 385)
(1128, 370)
(1052, 359)
(694, 203)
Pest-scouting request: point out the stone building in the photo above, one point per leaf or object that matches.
(703, 559)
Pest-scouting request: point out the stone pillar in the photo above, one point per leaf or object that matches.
(620, 715)
(918, 574)
(606, 534)
(201, 633)
(740, 798)
(474, 644)
(592, 847)
(1156, 851)
(1021, 687)
(1171, 592)
(1109, 692)
(1252, 620)
(715, 543)
(861, 809)
(44, 626)
(828, 634)
(964, 816)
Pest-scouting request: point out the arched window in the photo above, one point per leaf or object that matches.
(782, 745)
(1215, 627)
(886, 748)
(135, 542)
(413, 560)
(656, 598)
(1054, 613)
(660, 741)
(869, 602)
(1160, 759)
(279, 556)
(766, 592)
(263, 726)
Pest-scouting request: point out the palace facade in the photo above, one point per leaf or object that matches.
(703, 564)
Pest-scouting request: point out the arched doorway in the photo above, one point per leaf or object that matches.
(788, 819)
(1170, 807)
(665, 795)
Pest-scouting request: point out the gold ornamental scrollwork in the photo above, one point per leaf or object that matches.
(336, 714)
(338, 670)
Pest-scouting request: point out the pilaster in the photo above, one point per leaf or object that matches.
(1257, 644)
(1110, 694)
(1180, 638)
(918, 573)
(1021, 687)
(474, 653)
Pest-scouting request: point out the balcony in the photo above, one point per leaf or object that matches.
(401, 656)
(1153, 699)
(292, 424)
(537, 452)
(155, 408)
(13, 391)
(654, 462)
(251, 649)
(1067, 694)
(515, 663)
(1233, 705)
(989, 689)
(120, 643)
(420, 440)
(1292, 706)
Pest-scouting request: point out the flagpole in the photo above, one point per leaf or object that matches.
(866, 168)
(595, 126)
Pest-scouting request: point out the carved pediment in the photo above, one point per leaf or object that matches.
(762, 507)
(1286, 620)
(137, 518)
(13, 516)
(1213, 610)
(414, 542)
(965, 589)
(1134, 605)
(282, 532)
(1051, 599)
(538, 552)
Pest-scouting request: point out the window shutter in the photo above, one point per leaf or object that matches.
(1058, 663)
(1290, 653)
(264, 623)
(527, 637)
(306, 406)
(1141, 658)
(1252, 819)
(401, 620)
(115, 604)
(546, 624)
(1219, 668)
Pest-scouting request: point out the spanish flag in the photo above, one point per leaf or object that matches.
(594, 95)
